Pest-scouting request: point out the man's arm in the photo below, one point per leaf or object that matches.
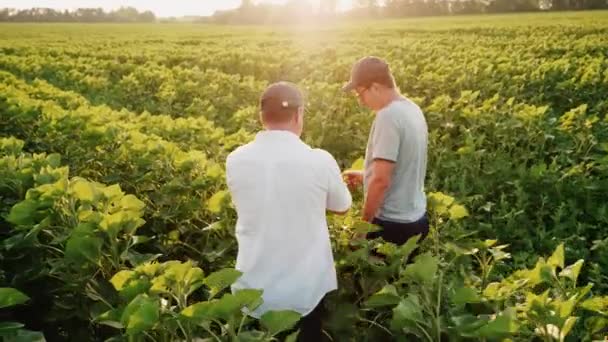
(384, 154)
(380, 181)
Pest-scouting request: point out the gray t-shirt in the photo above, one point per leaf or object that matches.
(399, 134)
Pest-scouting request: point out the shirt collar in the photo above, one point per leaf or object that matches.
(276, 135)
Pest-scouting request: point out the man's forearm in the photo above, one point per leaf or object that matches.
(375, 196)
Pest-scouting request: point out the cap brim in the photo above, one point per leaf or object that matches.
(348, 87)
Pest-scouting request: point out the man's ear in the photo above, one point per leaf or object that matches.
(299, 115)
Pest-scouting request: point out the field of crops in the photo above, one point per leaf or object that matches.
(115, 222)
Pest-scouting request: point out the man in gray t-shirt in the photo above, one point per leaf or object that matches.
(396, 155)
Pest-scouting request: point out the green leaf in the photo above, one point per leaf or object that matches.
(139, 239)
(457, 212)
(120, 279)
(214, 170)
(26, 336)
(221, 279)
(502, 326)
(11, 297)
(423, 269)
(407, 249)
(248, 336)
(385, 297)
(249, 298)
(200, 311)
(54, 160)
(358, 165)
(130, 202)
(137, 259)
(135, 287)
(112, 192)
(596, 304)
(568, 325)
(141, 314)
(557, 259)
(23, 213)
(278, 321)
(83, 190)
(571, 272)
(214, 204)
(10, 326)
(83, 249)
(407, 313)
(293, 337)
(110, 318)
(468, 324)
(465, 295)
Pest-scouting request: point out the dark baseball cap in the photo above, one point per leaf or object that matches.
(280, 96)
(367, 71)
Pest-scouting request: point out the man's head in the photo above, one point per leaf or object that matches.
(282, 107)
(372, 81)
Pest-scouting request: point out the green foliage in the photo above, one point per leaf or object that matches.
(113, 202)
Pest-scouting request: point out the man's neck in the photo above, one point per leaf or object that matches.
(391, 96)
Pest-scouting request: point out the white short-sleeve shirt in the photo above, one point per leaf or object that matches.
(281, 189)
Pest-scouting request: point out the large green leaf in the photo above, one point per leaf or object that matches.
(83, 249)
(200, 312)
(502, 326)
(597, 304)
(358, 165)
(557, 259)
(407, 313)
(571, 272)
(214, 204)
(465, 295)
(278, 321)
(11, 297)
(141, 314)
(120, 279)
(249, 298)
(293, 337)
(385, 297)
(224, 308)
(423, 269)
(130, 202)
(9, 326)
(25, 336)
(221, 279)
(23, 213)
(407, 248)
(250, 336)
(83, 190)
(458, 211)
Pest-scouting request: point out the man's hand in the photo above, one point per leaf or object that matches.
(353, 178)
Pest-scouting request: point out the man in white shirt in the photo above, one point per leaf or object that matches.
(281, 189)
(395, 157)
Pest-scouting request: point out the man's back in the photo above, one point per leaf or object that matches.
(281, 189)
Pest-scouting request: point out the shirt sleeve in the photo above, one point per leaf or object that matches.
(339, 198)
(386, 139)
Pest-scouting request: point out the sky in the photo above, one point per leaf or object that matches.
(162, 8)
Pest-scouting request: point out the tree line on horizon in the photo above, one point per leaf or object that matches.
(294, 11)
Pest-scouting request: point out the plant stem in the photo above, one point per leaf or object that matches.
(438, 308)
(424, 332)
(376, 324)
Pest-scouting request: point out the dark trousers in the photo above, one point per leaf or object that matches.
(399, 233)
(310, 326)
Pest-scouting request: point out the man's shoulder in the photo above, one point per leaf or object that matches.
(323, 156)
(241, 152)
(404, 106)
